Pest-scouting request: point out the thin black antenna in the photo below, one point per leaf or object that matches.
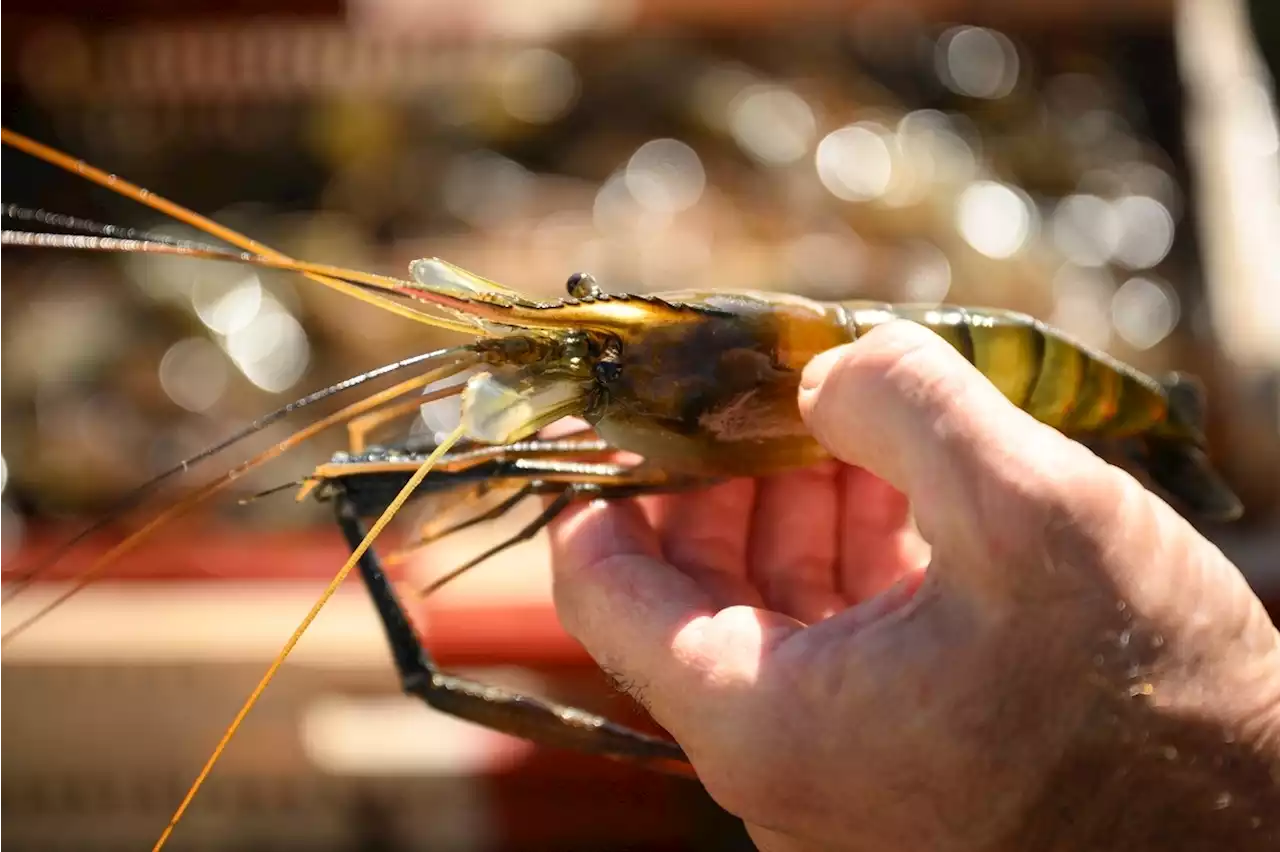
(134, 496)
(89, 226)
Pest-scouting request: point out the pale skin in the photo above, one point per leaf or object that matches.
(1055, 660)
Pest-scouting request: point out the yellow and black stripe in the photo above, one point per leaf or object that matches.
(1059, 381)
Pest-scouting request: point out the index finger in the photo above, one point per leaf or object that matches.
(651, 624)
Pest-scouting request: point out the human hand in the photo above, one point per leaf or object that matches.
(1077, 669)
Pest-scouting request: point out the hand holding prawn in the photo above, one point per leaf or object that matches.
(1054, 659)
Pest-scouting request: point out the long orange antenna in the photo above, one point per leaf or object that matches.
(189, 217)
(339, 276)
(203, 493)
(357, 554)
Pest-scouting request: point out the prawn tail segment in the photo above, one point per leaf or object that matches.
(1083, 393)
(1179, 464)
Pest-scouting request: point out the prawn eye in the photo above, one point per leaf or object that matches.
(582, 285)
(608, 372)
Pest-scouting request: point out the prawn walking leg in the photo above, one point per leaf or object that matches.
(566, 493)
(363, 483)
(500, 709)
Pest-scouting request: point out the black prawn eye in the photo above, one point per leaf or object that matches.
(582, 285)
(608, 371)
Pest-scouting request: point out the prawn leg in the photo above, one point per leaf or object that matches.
(568, 493)
(535, 719)
(489, 469)
(515, 465)
(564, 480)
(432, 532)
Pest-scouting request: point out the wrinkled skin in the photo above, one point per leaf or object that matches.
(1056, 660)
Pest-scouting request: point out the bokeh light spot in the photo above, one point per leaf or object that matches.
(854, 163)
(1144, 311)
(994, 219)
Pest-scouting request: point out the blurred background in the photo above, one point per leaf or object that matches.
(1108, 167)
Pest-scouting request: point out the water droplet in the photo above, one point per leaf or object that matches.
(1222, 801)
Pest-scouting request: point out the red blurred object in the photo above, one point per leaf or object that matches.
(532, 798)
(471, 634)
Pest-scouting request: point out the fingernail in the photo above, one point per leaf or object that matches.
(815, 372)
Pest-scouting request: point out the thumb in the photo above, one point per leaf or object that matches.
(904, 404)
